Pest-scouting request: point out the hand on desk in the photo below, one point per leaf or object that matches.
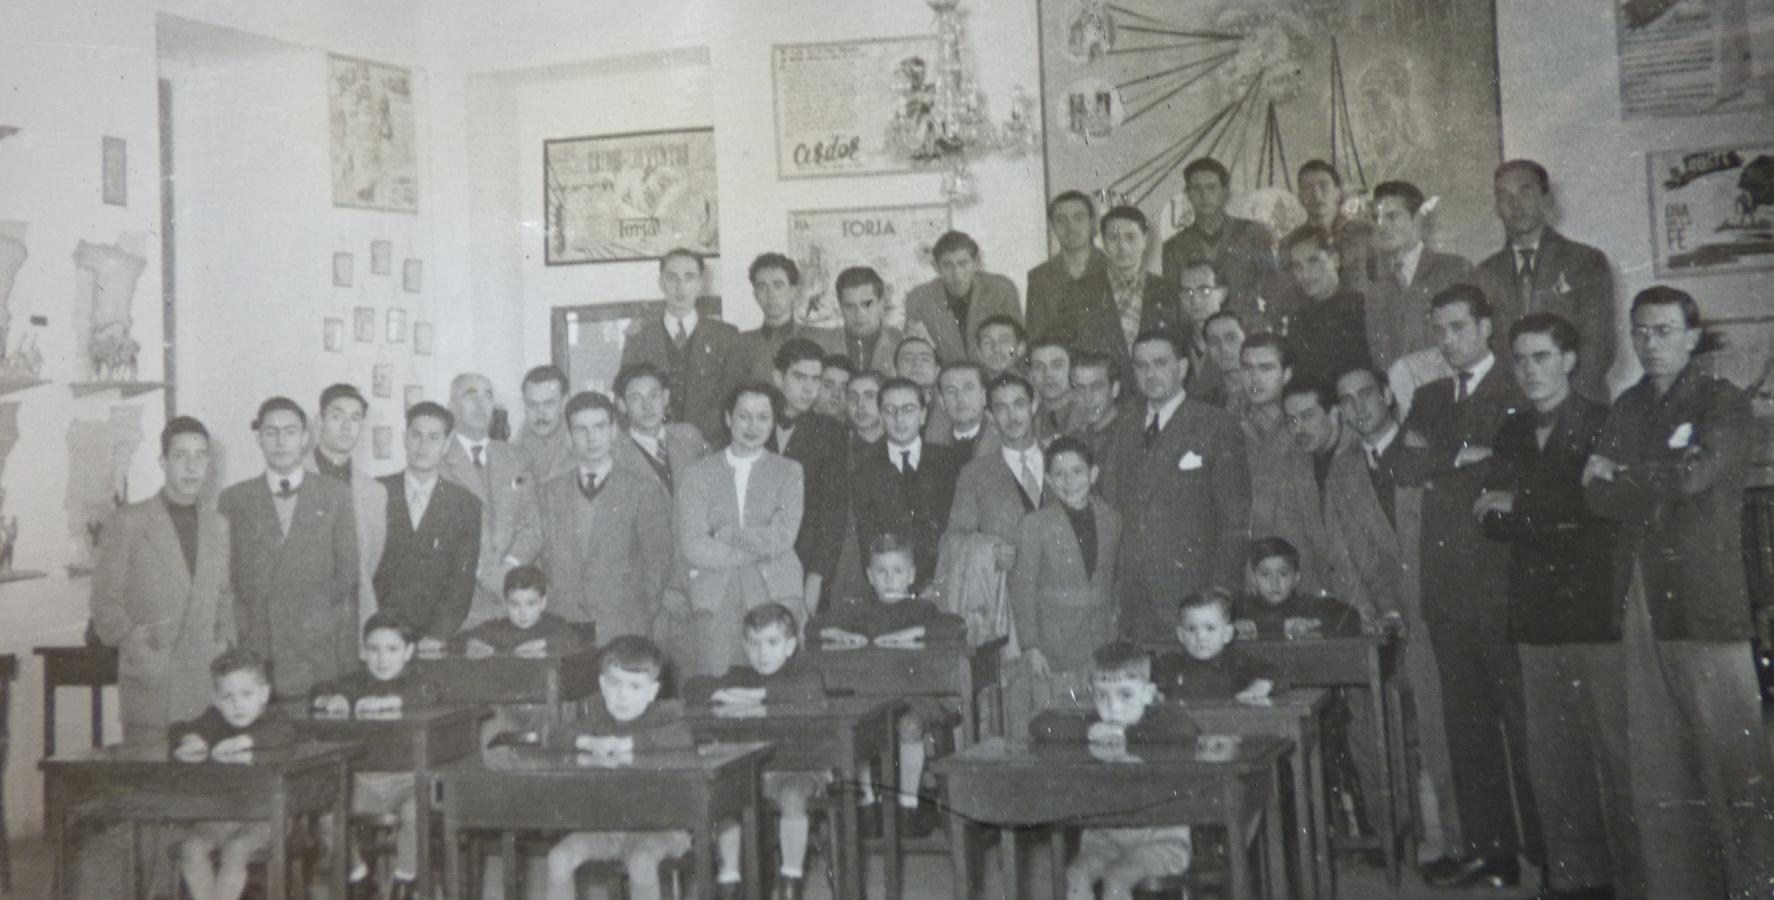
(904, 639)
(605, 760)
(736, 696)
(431, 648)
(1112, 753)
(237, 749)
(839, 639)
(1257, 694)
(535, 649)
(191, 749)
(477, 649)
(605, 745)
(384, 707)
(1244, 630)
(333, 706)
(1299, 628)
(1216, 747)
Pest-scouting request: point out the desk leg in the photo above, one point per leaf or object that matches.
(341, 865)
(1392, 713)
(969, 707)
(98, 716)
(1324, 883)
(48, 723)
(1389, 815)
(848, 852)
(452, 841)
(1237, 850)
(1011, 862)
(1274, 847)
(1303, 835)
(751, 839)
(1056, 841)
(422, 830)
(703, 841)
(890, 860)
(958, 856)
(508, 862)
(277, 870)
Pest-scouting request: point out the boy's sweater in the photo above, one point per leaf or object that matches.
(1180, 676)
(795, 682)
(559, 635)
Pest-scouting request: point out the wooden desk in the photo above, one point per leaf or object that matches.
(94, 668)
(551, 680)
(1294, 715)
(956, 671)
(544, 789)
(141, 784)
(8, 671)
(419, 741)
(1008, 786)
(845, 734)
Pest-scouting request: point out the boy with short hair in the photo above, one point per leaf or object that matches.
(1209, 666)
(896, 618)
(776, 673)
(629, 719)
(236, 723)
(1273, 607)
(1128, 712)
(528, 629)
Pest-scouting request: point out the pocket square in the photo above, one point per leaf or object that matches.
(1681, 436)
(1190, 462)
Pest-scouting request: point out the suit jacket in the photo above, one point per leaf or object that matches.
(1053, 292)
(1398, 315)
(881, 358)
(1679, 503)
(1561, 556)
(1058, 607)
(545, 457)
(1089, 319)
(698, 388)
(1382, 554)
(915, 507)
(166, 620)
(755, 563)
(510, 534)
(1286, 503)
(1241, 252)
(426, 576)
(940, 432)
(368, 502)
(989, 500)
(753, 354)
(1329, 336)
(927, 314)
(821, 446)
(1571, 279)
(295, 596)
(1185, 502)
(607, 558)
(683, 445)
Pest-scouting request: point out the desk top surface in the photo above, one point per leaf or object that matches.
(147, 757)
(707, 759)
(303, 716)
(1055, 759)
(1294, 702)
(849, 708)
(451, 660)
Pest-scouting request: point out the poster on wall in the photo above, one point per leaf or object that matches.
(1712, 211)
(1685, 57)
(375, 165)
(587, 340)
(618, 197)
(1134, 90)
(896, 241)
(834, 102)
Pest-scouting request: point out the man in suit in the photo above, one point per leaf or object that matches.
(1563, 616)
(606, 529)
(1222, 340)
(862, 301)
(994, 492)
(834, 380)
(292, 558)
(948, 311)
(1050, 371)
(904, 485)
(1071, 279)
(426, 576)
(1320, 189)
(961, 393)
(820, 446)
(1179, 477)
(862, 410)
(776, 286)
(735, 518)
(340, 430)
(1329, 329)
(161, 593)
(1284, 496)
(915, 359)
(1540, 270)
(543, 442)
(495, 474)
(651, 444)
(1001, 342)
(1406, 275)
(1669, 468)
(1096, 400)
(1238, 249)
(691, 350)
(1136, 301)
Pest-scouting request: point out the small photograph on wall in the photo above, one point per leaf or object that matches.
(342, 266)
(382, 440)
(382, 380)
(397, 326)
(381, 257)
(116, 171)
(621, 197)
(410, 395)
(1712, 210)
(423, 338)
(363, 324)
(375, 165)
(334, 336)
(412, 272)
(587, 340)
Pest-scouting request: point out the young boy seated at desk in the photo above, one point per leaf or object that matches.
(383, 689)
(776, 674)
(625, 723)
(236, 724)
(1128, 713)
(528, 629)
(895, 618)
(1274, 608)
(1210, 667)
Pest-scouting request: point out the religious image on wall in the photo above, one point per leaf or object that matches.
(105, 279)
(99, 453)
(587, 341)
(835, 102)
(375, 164)
(1712, 211)
(618, 197)
(896, 241)
(1684, 57)
(1134, 90)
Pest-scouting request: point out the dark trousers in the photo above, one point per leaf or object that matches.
(1481, 696)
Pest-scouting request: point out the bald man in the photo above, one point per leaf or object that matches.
(498, 476)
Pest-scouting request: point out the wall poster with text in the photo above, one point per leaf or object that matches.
(1687, 57)
(375, 163)
(1712, 211)
(834, 102)
(617, 197)
(896, 241)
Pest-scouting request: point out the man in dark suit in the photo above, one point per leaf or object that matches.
(1563, 615)
(495, 473)
(1540, 270)
(1239, 249)
(292, 558)
(1096, 399)
(904, 485)
(1669, 468)
(1074, 277)
(690, 349)
(776, 285)
(1329, 330)
(862, 301)
(1447, 448)
(1406, 275)
(963, 423)
(338, 430)
(650, 443)
(1131, 301)
(426, 576)
(819, 444)
(1179, 476)
(995, 491)
(949, 310)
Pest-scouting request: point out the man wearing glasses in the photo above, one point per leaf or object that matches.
(905, 485)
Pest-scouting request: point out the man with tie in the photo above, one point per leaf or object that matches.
(651, 444)
(688, 347)
(1540, 270)
(961, 391)
(949, 310)
(1284, 497)
(340, 430)
(1238, 249)
(292, 558)
(1406, 275)
(1329, 329)
(820, 446)
(776, 286)
(862, 301)
(1072, 279)
(426, 574)
(994, 492)
(543, 442)
(1179, 477)
(495, 474)
(606, 529)
(904, 485)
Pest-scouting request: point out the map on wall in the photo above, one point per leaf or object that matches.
(629, 196)
(1133, 90)
(896, 241)
(105, 278)
(98, 480)
(1685, 57)
(834, 102)
(375, 165)
(1712, 211)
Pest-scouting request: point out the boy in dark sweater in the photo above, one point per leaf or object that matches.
(236, 724)
(1128, 713)
(776, 674)
(528, 629)
(627, 721)
(1210, 667)
(1274, 609)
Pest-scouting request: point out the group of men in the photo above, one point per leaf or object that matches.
(1432, 436)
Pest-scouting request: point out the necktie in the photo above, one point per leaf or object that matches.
(475, 450)
(1373, 457)
(1398, 273)
(681, 336)
(1524, 279)
(1030, 482)
(284, 491)
(1152, 429)
(1464, 388)
(905, 462)
(589, 485)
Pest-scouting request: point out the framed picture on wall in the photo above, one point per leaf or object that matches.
(342, 266)
(1710, 209)
(896, 241)
(423, 338)
(412, 276)
(397, 326)
(334, 335)
(374, 161)
(617, 197)
(587, 340)
(381, 257)
(363, 324)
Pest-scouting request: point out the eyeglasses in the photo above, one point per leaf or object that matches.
(1199, 291)
(1660, 332)
(908, 409)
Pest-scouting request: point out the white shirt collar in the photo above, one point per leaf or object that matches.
(1408, 262)
(741, 462)
(1528, 242)
(272, 479)
(1378, 445)
(598, 474)
(1479, 370)
(1166, 411)
(468, 445)
(689, 322)
(415, 483)
(970, 433)
(894, 451)
(649, 443)
(1014, 459)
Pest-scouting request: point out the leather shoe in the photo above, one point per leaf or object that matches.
(1492, 871)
